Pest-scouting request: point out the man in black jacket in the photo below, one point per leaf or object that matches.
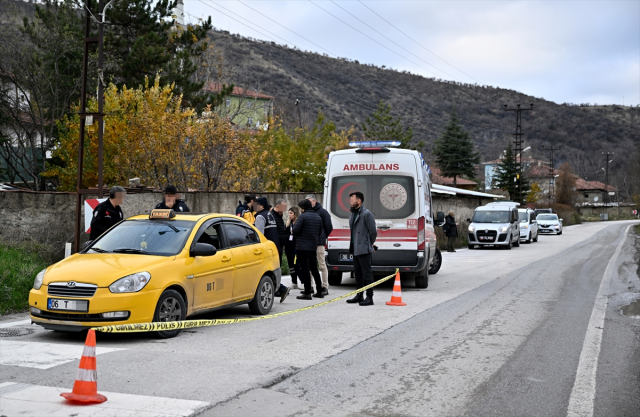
(108, 213)
(278, 211)
(171, 201)
(306, 230)
(266, 224)
(363, 236)
(327, 228)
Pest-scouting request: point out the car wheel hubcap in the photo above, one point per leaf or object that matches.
(170, 310)
(266, 295)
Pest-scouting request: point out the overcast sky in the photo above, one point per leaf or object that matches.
(564, 51)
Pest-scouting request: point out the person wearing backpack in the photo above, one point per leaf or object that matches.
(450, 229)
(247, 210)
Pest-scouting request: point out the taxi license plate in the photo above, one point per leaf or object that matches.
(346, 257)
(67, 305)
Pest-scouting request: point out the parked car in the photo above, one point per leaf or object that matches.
(549, 223)
(542, 210)
(528, 225)
(495, 224)
(158, 268)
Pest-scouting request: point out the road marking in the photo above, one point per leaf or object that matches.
(36, 400)
(583, 394)
(15, 323)
(41, 355)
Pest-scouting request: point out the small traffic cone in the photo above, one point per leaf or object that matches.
(396, 296)
(85, 388)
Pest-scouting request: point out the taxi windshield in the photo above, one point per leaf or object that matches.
(148, 237)
(491, 217)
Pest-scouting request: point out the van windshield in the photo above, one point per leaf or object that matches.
(491, 217)
(387, 197)
(524, 216)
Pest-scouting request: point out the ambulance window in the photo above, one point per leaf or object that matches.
(387, 197)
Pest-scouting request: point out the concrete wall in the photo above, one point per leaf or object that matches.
(49, 217)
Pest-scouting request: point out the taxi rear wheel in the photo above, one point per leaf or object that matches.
(263, 300)
(170, 307)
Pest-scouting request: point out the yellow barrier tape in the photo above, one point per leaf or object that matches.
(190, 324)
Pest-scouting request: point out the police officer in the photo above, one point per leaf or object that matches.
(266, 223)
(108, 213)
(171, 201)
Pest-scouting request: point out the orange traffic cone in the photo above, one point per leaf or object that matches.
(85, 389)
(396, 296)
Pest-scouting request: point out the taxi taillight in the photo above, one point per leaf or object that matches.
(421, 232)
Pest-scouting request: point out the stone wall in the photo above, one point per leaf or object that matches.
(49, 217)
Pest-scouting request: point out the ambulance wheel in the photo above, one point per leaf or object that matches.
(437, 263)
(170, 307)
(335, 278)
(422, 279)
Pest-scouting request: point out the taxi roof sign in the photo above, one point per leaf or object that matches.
(162, 214)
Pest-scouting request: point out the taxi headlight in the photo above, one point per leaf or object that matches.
(504, 228)
(131, 283)
(37, 283)
(472, 229)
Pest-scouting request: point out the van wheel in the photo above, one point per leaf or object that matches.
(335, 278)
(422, 278)
(517, 242)
(170, 307)
(263, 300)
(528, 238)
(508, 247)
(437, 263)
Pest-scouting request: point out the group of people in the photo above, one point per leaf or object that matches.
(302, 238)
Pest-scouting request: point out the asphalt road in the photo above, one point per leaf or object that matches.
(527, 332)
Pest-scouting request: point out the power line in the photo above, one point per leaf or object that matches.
(417, 43)
(390, 40)
(364, 34)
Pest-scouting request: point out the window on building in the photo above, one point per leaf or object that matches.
(228, 101)
(250, 121)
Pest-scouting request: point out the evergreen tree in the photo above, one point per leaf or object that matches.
(506, 177)
(455, 151)
(381, 125)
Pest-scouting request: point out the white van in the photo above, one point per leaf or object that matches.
(496, 224)
(397, 190)
(528, 225)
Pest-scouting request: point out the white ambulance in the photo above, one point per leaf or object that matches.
(397, 190)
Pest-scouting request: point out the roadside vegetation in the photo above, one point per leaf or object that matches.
(18, 267)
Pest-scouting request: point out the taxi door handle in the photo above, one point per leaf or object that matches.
(257, 252)
(225, 259)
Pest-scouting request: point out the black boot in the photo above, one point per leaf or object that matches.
(367, 302)
(357, 299)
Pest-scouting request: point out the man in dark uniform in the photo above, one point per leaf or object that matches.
(363, 236)
(108, 213)
(266, 223)
(171, 201)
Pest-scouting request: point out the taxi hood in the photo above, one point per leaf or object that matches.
(102, 269)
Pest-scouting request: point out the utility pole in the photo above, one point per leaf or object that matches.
(299, 117)
(518, 145)
(88, 118)
(552, 187)
(606, 183)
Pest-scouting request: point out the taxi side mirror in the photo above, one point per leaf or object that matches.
(203, 249)
(87, 244)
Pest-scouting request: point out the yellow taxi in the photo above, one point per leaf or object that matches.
(159, 268)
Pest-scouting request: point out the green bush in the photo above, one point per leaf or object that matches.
(19, 265)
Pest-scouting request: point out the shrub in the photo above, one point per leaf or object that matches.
(19, 265)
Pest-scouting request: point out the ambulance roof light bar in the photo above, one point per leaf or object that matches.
(375, 144)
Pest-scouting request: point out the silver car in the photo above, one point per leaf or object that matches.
(549, 223)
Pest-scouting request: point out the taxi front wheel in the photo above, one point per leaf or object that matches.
(263, 300)
(171, 307)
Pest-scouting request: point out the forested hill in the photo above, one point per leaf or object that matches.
(348, 91)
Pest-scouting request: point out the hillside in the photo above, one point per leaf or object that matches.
(347, 91)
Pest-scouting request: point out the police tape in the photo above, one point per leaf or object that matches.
(190, 324)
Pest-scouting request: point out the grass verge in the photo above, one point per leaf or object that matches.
(19, 265)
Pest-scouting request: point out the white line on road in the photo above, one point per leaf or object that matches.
(581, 402)
(14, 323)
(36, 400)
(41, 355)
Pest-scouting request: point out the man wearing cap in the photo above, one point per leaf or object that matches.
(266, 224)
(171, 201)
(108, 213)
(327, 228)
